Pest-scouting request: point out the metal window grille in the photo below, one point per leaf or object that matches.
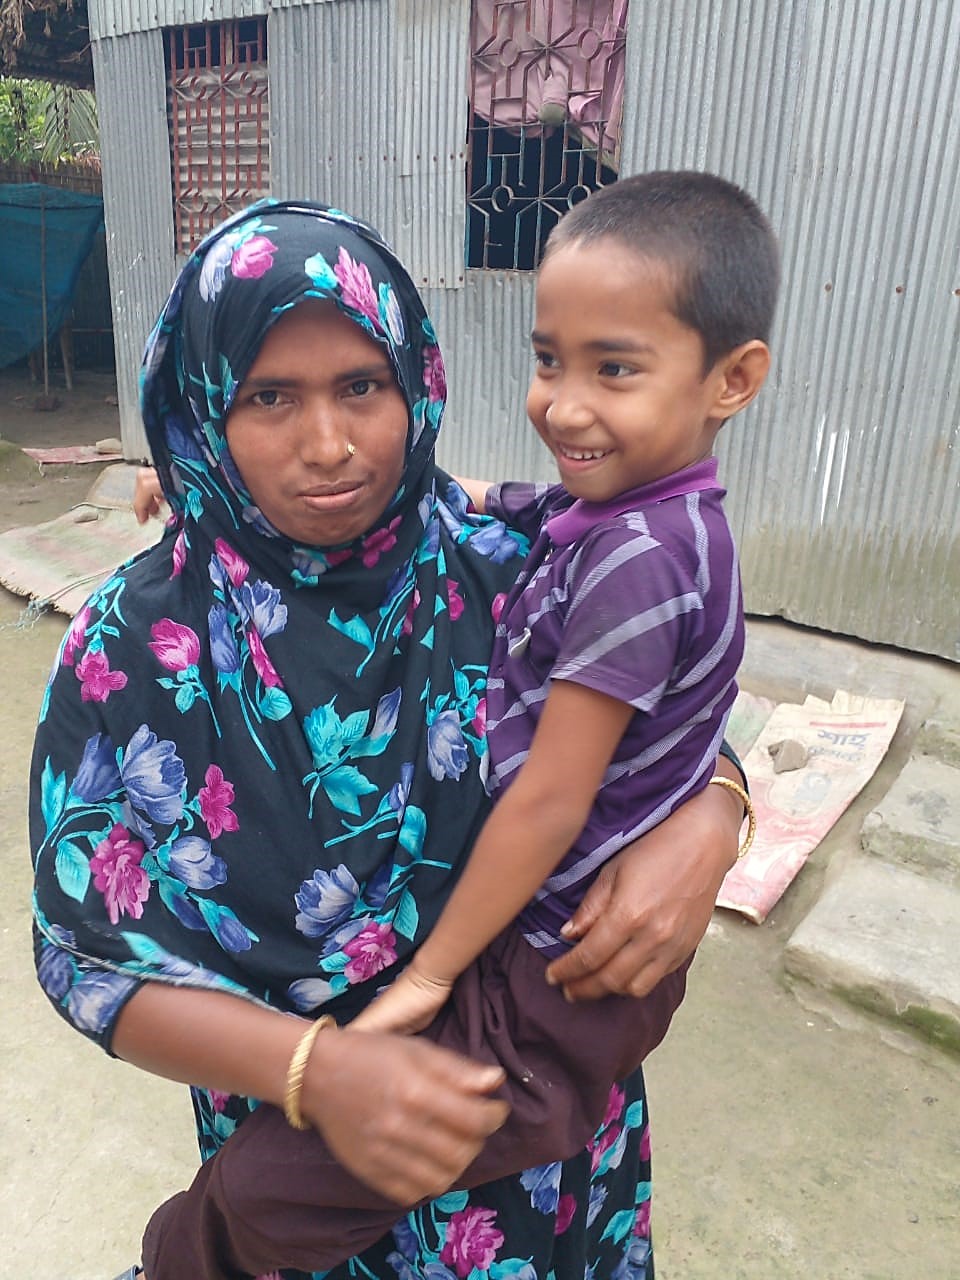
(546, 98)
(218, 114)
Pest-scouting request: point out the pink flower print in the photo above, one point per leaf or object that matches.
(234, 564)
(253, 258)
(601, 1145)
(175, 645)
(215, 800)
(97, 681)
(471, 1240)
(479, 722)
(76, 635)
(407, 627)
(334, 558)
(371, 950)
(434, 374)
(454, 599)
(496, 605)
(641, 1224)
(179, 555)
(118, 875)
(566, 1208)
(261, 661)
(615, 1101)
(218, 1100)
(645, 1143)
(378, 542)
(356, 287)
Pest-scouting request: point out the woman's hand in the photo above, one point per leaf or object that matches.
(404, 1116)
(147, 495)
(650, 906)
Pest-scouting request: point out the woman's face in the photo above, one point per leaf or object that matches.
(318, 429)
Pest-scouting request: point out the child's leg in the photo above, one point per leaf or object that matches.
(274, 1196)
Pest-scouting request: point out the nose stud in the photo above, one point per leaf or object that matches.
(351, 449)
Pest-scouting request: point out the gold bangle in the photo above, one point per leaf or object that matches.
(748, 813)
(297, 1069)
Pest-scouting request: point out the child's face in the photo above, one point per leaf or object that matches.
(619, 394)
(318, 429)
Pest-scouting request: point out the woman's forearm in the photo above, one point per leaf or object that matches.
(208, 1038)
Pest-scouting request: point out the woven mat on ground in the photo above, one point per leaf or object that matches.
(61, 562)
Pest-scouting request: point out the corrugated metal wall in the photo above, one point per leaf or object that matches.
(137, 204)
(844, 480)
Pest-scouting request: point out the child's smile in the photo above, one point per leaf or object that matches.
(619, 395)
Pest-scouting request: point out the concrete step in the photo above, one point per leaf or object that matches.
(917, 823)
(886, 940)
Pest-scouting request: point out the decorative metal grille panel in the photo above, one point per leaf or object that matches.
(546, 96)
(218, 113)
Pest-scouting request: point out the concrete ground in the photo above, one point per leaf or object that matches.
(788, 1143)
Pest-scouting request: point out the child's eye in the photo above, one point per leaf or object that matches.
(544, 360)
(614, 369)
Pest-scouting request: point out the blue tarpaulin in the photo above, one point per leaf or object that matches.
(68, 221)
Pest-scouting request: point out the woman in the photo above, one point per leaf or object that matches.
(258, 766)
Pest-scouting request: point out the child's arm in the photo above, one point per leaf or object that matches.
(521, 843)
(476, 491)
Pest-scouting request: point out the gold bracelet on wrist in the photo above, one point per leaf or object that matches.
(297, 1069)
(748, 813)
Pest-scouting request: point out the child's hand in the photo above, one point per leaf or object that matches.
(409, 1005)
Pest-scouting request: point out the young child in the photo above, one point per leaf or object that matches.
(610, 684)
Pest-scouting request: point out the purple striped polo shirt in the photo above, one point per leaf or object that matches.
(640, 599)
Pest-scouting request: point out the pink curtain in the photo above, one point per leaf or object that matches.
(552, 62)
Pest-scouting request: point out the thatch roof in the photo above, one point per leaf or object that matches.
(46, 40)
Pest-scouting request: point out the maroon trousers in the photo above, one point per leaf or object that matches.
(275, 1197)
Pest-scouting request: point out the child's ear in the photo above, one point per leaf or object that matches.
(741, 375)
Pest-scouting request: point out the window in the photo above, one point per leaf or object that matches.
(546, 99)
(219, 121)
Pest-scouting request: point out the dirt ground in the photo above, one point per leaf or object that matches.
(786, 1145)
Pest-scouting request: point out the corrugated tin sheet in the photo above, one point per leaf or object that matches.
(122, 17)
(379, 133)
(131, 97)
(484, 333)
(845, 479)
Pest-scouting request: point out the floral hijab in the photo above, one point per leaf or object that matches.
(258, 765)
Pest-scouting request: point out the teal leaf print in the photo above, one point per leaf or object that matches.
(145, 949)
(53, 794)
(321, 273)
(186, 697)
(452, 1202)
(413, 830)
(619, 1226)
(407, 916)
(73, 870)
(354, 629)
(343, 787)
(633, 1118)
(354, 728)
(275, 704)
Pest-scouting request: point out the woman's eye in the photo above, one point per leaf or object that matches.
(362, 387)
(266, 399)
(544, 360)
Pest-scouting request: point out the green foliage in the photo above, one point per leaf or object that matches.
(21, 119)
(46, 122)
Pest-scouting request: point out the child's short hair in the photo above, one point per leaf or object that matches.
(710, 234)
